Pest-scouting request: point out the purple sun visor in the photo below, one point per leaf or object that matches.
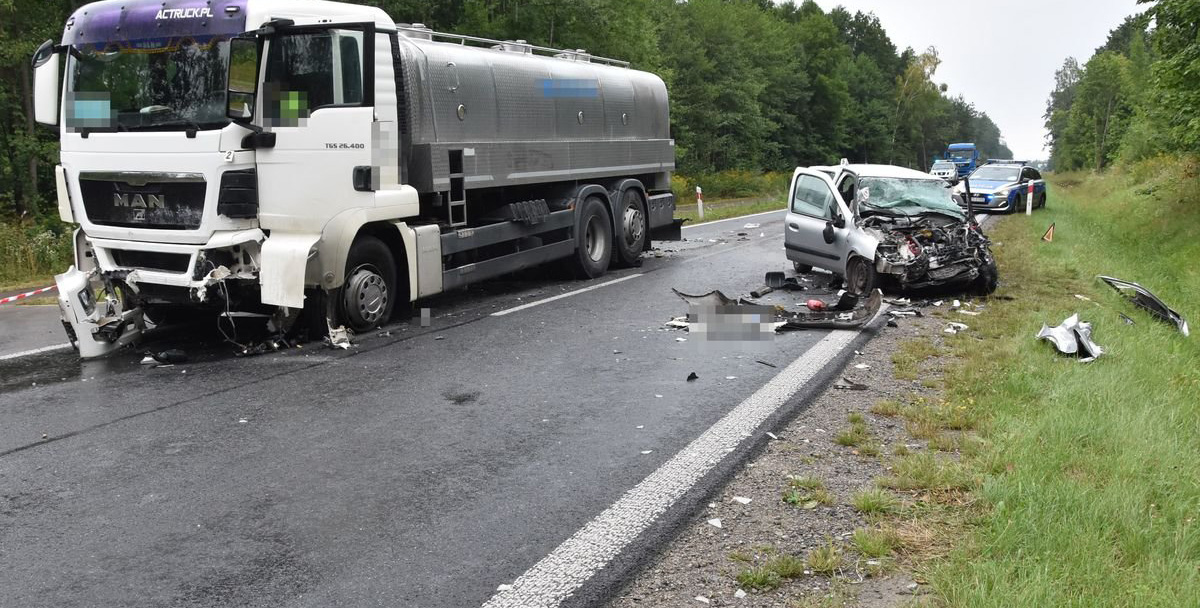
(128, 22)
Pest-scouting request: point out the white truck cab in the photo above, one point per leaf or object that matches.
(273, 156)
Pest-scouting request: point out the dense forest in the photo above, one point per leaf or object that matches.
(1137, 97)
(755, 85)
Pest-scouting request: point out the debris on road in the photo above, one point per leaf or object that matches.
(340, 338)
(1072, 337)
(849, 385)
(739, 594)
(742, 500)
(767, 364)
(955, 328)
(692, 377)
(715, 522)
(1146, 300)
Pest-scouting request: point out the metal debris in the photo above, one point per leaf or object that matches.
(1072, 337)
(1143, 298)
(340, 338)
(849, 385)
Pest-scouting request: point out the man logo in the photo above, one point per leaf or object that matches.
(137, 201)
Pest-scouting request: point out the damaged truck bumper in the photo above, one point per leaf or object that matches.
(94, 314)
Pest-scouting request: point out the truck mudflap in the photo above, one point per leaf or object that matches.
(96, 314)
(669, 232)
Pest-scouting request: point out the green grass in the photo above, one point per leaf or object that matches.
(1088, 483)
(30, 255)
(722, 212)
(771, 574)
(825, 559)
(874, 542)
(875, 501)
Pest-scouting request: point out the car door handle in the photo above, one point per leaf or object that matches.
(794, 226)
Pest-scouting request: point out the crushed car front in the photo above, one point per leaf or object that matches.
(925, 239)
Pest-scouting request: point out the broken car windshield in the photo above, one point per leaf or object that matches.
(907, 196)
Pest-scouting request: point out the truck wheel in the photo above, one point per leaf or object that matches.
(802, 268)
(631, 228)
(861, 278)
(366, 299)
(593, 240)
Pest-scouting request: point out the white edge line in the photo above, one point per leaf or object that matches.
(561, 573)
(36, 351)
(731, 219)
(560, 296)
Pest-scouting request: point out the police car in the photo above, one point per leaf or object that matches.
(1003, 186)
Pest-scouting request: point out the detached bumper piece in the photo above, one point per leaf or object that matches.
(1072, 337)
(95, 314)
(1147, 301)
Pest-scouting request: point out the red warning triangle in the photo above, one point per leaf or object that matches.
(1049, 236)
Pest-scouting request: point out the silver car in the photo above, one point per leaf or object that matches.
(876, 224)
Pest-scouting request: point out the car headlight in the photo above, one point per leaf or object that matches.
(1002, 193)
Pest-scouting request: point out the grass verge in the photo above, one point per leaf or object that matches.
(1085, 490)
(726, 211)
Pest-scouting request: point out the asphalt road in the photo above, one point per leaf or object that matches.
(424, 467)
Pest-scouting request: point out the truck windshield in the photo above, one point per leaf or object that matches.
(148, 85)
(894, 196)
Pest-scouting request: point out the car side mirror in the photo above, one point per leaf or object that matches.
(46, 67)
(242, 91)
(828, 233)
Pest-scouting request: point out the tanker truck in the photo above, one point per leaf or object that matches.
(308, 159)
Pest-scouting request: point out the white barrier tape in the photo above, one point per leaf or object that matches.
(22, 296)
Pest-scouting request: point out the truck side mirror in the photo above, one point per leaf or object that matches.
(45, 84)
(242, 91)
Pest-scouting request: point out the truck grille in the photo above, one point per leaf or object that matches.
(160, 201)
(152, 260)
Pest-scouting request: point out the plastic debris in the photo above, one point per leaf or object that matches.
(339, 337)
(742, 500)
(692, 377)
(715, 522)
(955, 328)
(766, 364)
(772, 436)
(504, 588)
(701, 598)
(1072, 337)
(739, 594)
(1143, 298)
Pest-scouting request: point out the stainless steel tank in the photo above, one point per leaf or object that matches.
(505, 116)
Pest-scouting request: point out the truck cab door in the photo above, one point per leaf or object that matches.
(317, 99)
(817, 222)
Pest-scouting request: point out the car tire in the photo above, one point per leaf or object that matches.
(861, 277)
(988, 279)
(365, 301)
(593, 240)
(802, 268)
(630, 238)
(1041, 201)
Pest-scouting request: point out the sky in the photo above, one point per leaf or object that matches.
(1000, 55)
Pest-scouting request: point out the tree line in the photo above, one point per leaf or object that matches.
(754, 85)
(1137, 97)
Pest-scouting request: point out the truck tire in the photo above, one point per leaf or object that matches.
(861, 278)
(366, 299)
(593, 240)
(630, 238)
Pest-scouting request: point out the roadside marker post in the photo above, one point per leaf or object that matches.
(1029, 200)
(700, 202)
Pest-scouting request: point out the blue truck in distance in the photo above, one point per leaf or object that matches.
(964, 156)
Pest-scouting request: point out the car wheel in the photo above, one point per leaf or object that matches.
(802, 268)
(988, 279)
(631, 238)
(366, 299)
(593, 240)
(1042, 201)
(861, 277)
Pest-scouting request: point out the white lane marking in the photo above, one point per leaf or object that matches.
(36, 351)
(731, 219)
(563, 295)
(558, 575)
